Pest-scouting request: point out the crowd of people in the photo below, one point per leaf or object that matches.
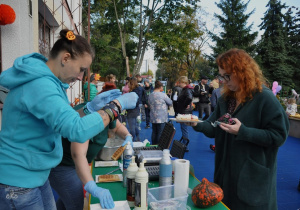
(45, 142)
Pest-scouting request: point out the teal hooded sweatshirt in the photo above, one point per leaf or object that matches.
(36, 114)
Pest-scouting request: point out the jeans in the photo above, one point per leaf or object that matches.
(133, 128)
(27, 198)
(204, 107)
(147, 112)
(142, 109)
(184, 130)
(66, 183)
(157, 129)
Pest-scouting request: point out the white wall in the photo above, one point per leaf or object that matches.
(17, 38)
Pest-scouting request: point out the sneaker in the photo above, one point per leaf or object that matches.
(147, 126)
(212, 147)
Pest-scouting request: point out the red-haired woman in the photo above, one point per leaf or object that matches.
(246, 151)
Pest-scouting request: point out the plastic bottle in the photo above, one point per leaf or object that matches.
(139, 121)
(131, 172)
(127, 156)
(141, 188)
(165, 169)
(146, 143)
(175, 97)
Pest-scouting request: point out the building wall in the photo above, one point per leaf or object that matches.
(17, 38)
(22, 36)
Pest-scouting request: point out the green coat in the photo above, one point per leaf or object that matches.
(246, 164)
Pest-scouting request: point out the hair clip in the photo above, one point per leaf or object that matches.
(70, 36)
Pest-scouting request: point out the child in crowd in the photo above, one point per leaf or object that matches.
(291, 107)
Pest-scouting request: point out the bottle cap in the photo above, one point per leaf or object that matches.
(133, 163)
(142, 168)
(166, 152)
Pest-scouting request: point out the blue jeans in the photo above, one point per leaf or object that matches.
(184, 130)
(133, 128)
(157, 129)
(27, 198)
(66, 183)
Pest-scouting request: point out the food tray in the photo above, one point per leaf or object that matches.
(176, 120)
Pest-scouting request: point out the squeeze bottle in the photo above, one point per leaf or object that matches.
(127, 156)
(130, 190)
(165, 169)
(141, 188)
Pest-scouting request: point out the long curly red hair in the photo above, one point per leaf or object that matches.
(241, 65)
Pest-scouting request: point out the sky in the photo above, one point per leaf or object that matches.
(259, 6)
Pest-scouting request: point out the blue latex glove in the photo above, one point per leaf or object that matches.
(128, 100)
(104, 195)
(102, 99)
(128, 138)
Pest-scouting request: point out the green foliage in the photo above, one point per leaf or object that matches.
(235, 32)
(149, 72)
(277, 47)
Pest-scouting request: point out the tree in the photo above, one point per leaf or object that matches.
(292, 24)
(236, 33)
(272, 47)
(176, 46)
(158, 12)
(149, 73)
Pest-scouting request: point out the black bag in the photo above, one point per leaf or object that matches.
(179, 147)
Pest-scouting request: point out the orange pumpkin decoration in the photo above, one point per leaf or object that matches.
(7, 14)
(207, 194)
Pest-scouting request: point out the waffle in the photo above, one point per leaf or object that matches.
(118, 153)
(109, 178)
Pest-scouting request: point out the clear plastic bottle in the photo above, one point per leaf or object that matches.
(141, 188)
(130, 190)
(139, 121)
(165, 169)
(127, 156)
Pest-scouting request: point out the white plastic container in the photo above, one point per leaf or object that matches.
(141, 188)
(130, 188)
(157, 202)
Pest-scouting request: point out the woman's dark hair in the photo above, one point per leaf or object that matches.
(158, 84)
(74, 44)
(92, 77)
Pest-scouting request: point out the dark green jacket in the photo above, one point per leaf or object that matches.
(246, 164)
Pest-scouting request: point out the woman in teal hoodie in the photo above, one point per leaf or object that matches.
(246, 145)
(36, 114)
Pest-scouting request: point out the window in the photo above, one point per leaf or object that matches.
(30, 7)
(44, 36)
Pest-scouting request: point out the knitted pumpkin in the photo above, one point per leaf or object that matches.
(207, 194)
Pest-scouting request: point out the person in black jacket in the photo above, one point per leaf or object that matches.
(184, 102)
(176, 90)
(202, 91)
(147, 90)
